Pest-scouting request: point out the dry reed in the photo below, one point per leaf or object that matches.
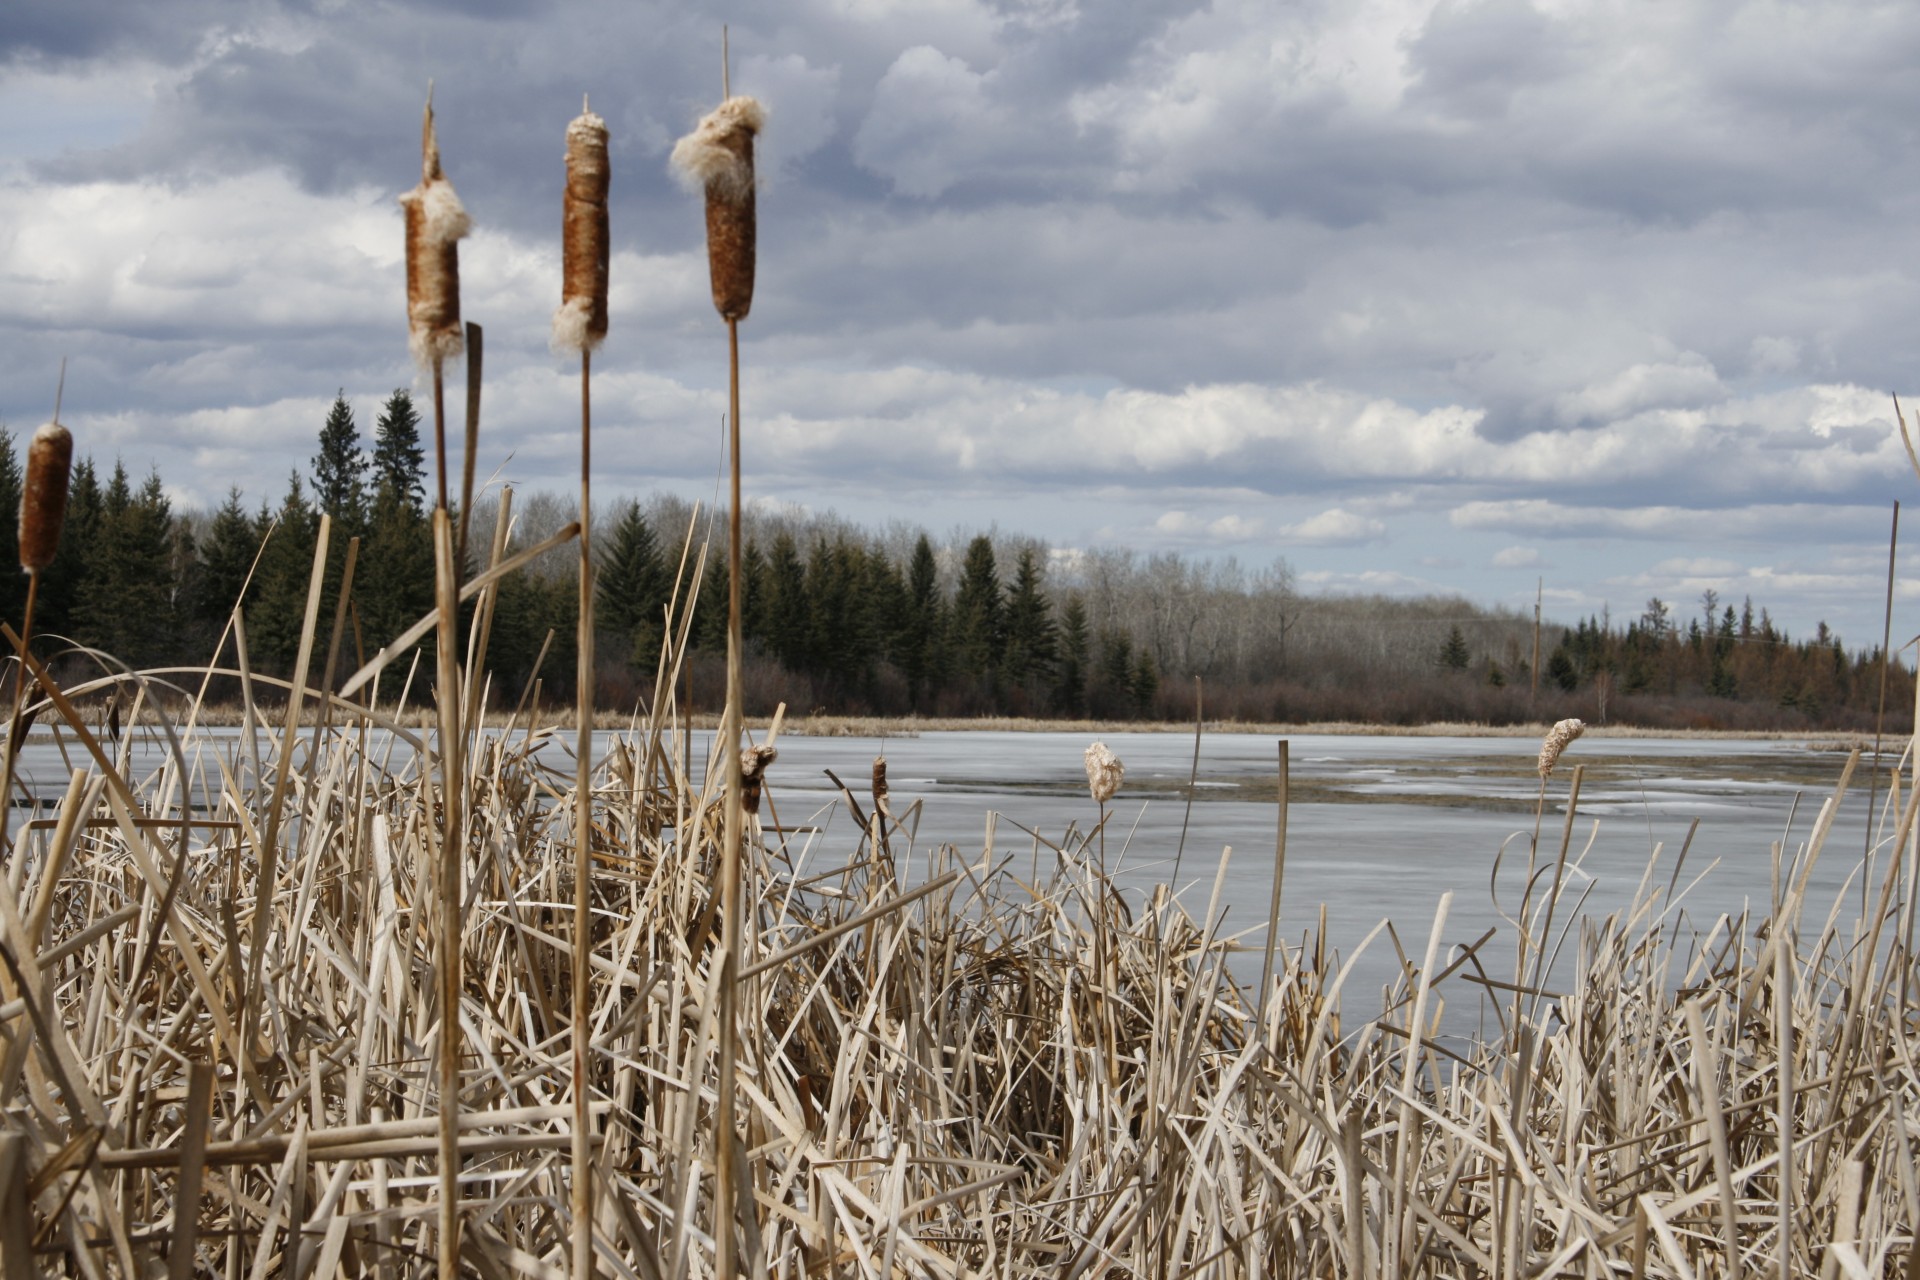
(946, 1070)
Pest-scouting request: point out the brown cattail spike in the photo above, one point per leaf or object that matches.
(581, 322)
(43, 503)
(435, 223)
(718, 157)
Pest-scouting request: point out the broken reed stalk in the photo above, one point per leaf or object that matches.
(717, 157)
(581, 325)
(435, 223)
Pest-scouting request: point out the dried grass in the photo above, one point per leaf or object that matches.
(945, 1066)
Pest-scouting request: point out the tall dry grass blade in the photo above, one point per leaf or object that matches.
(448, 894)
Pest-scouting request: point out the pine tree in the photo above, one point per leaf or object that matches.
(59, 603)
(1076, 646)
(399, 466)
(1454, 655)
(786, 605)
(633, 588)
(339, 473)
(13, 586)
(279, 606)
(126, 603)
(923, 620)
(979, 620)
(226, 556)
(1032, 640)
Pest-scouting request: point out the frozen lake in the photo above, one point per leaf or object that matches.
(1378, 827)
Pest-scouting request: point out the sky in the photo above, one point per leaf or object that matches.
(1603, 299)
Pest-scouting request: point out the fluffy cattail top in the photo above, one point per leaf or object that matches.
(718, 158)
(753, 767)
(1104, 772)
(43, 502)
(880, 787)
(1557, 740)
(435, 223)
(581, 322)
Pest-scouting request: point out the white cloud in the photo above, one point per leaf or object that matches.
(1519, 558)
(1335, 527)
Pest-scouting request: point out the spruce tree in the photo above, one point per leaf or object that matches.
(924, 620)
(1076, 647)
(279, 605)
(339, 473)
(786, 604)
(1032, 643)
(1454, 655)
(633, 588)
(979, 621)
(13, 585)
(226, 557)
(399, 460)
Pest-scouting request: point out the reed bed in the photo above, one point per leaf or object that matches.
(219, 1057)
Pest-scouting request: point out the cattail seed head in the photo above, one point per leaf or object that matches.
(43, 502)
(1104, 772)
(1557, 740)
(435, 223)
(581, 322)
(718, 158)
(880, 787)
(753, 767)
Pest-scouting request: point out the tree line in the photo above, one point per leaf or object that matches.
(893, 621)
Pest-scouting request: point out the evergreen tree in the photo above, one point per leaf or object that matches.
(1076, 645)
(1032, 639)
(399, 462)
(126, 602)
(922, 622)
(339, 473)
(979, 621)
(13, 586)
(633, 588)
(226, 557)
(1144, 684)
(1453, 653)
(787, 618)
(58, 606)
(710, 609)
(279, 605)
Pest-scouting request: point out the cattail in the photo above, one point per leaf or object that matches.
(1104, 772)
(1558, 739)
(581, 322)
(753, 765)
(435, 223)
(43, 502)
(880, 787)
(718, 158)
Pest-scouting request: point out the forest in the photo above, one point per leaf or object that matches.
(900, 621)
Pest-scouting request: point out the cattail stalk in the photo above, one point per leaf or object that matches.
(435, 223)
(43, 511)
(717, 157)
(580, 325)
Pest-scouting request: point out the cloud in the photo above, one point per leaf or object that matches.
(1335, 527)
(1519, 558)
